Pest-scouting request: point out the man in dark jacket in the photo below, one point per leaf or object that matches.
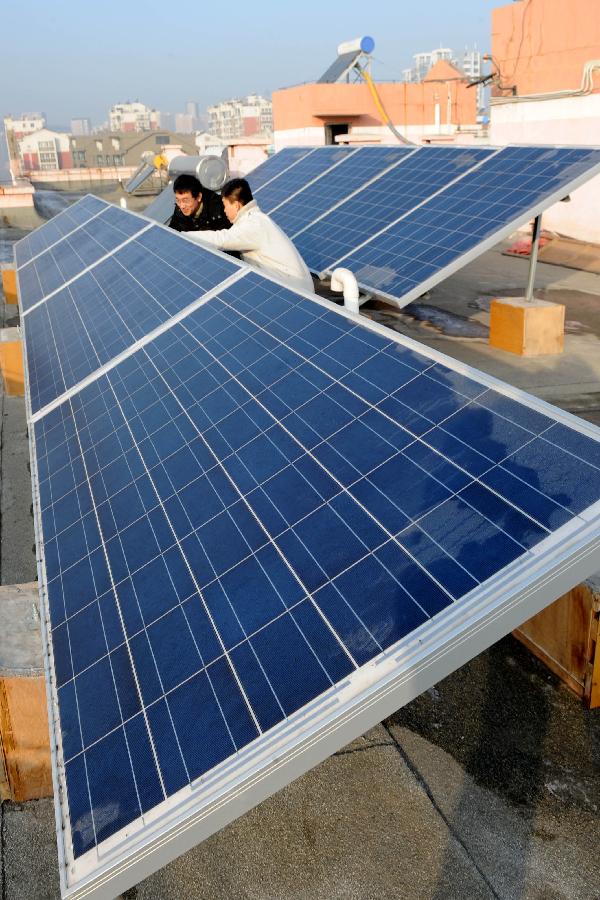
(196, 208)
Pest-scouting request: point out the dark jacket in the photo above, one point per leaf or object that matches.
(209, 217)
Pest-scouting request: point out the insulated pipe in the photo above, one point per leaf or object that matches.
(344, 280)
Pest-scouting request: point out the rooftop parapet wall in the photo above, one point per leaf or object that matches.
(541, 46)
(310, 105)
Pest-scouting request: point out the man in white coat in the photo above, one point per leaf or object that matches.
(260, 241)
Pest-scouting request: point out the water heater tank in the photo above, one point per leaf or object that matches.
(211, 171)
(363, 44)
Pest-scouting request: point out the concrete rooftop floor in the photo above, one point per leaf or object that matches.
(486, 786)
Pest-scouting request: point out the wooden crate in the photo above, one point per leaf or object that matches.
(566, 637)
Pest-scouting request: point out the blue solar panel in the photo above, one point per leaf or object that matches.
(106, 310)
(71, 255)
(335, 185)
(57, 227)
(250, 521)
(275, 165)
(381, 203)
(252, 507)
(483, 206)
(311, 166)
(341, 66)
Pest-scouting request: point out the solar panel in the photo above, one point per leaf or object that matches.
(339, 67)
(144, 171)
(107, 309)
(66, 259)
(420, 173)
(468, 217)
(275, 165)
(61, 224)
(302, 173)
(261, 528)
(162, 207)
(335, 185)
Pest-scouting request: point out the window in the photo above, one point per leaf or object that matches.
(118, 159)
(99, 159)
(98, 145)
(46, 145)
(79, 157)
(116, 143)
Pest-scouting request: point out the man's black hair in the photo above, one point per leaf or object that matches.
(185, 182)
(237, 189)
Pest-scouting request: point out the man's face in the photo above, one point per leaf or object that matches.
(186, 203)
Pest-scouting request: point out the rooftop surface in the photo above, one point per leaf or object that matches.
(485, 786)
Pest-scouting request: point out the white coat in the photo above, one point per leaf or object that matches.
(262, 243)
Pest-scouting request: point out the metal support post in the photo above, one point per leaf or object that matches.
(535, 245)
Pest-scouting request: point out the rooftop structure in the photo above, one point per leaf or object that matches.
(441, 107)
(115, 148)
(546, 89)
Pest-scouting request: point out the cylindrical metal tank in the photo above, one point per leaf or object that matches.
(211, 171)
(364, 44)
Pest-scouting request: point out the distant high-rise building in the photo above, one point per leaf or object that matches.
(133, 117)
(241, 117)
(471, 66)
(424, 61)
(191, 109)
(81, 127)
(185, 123)
(166, 121)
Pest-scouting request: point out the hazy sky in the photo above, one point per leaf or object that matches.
(77, 59)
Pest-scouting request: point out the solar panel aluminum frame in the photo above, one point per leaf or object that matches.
(345, 711)
(487, 244)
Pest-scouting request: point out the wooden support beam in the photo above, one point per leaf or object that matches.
(9, 284)
(566, 637)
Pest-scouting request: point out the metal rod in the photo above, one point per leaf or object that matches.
(535, 246)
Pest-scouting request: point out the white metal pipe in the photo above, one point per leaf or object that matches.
(344, 280)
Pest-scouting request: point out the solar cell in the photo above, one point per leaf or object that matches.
(302, 173)
(421, 173)
(263, 525)
(335, 185)
(275, 165)
(467, 218)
